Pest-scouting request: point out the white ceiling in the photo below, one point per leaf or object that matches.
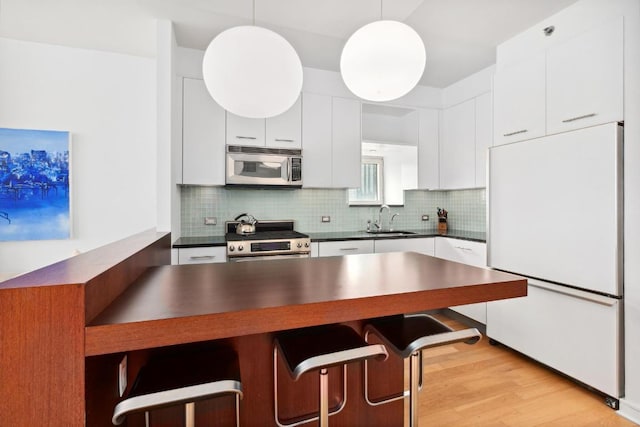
(460, 35)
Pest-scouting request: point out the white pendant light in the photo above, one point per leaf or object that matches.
(252, 71)
(383, 60)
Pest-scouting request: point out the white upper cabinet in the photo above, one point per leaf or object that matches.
(331, 141)
(457, 148)
(519, 101)
(484, 136)
(245, 131)
(283, 131)
(347, 137)
(585, 79)
(203, 133)
(428, 165)
(316, 140)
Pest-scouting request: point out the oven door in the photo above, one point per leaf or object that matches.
(267, 257)
(258, 169)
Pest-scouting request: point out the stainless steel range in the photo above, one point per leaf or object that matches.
(270, 240)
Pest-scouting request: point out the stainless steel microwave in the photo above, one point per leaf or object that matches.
(263, 167)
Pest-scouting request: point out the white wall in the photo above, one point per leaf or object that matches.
(108, 103)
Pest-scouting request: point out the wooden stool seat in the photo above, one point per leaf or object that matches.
(319, 348)
(407, 336)
(184, 378)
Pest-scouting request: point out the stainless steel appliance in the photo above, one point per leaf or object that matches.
(263, 167)
(555, 216)
(271, 240)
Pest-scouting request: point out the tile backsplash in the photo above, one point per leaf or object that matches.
(467, 209)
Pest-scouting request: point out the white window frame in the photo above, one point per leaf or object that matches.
(380, 185)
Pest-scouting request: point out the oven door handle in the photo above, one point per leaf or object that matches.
(267, 257)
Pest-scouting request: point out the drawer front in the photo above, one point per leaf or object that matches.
(347, 247)
(575, 332)
(202, 255)
(466, 252)
(424, 246)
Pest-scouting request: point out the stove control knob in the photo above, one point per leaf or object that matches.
(232, 248)
(240, 247)
(299, 245)
(306, 244)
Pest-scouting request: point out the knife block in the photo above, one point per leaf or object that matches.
(442, 225)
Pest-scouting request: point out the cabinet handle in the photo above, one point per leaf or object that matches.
(573, 119)
(202, 257)
(245, 137)
(515, 133)
(348, 249)
(463, 249)
(284, 140)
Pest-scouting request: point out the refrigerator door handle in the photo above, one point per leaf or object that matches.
(575, 293)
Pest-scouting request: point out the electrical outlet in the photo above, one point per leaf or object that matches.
(425, 217)
(326, 218)
(122, 376)
(210, 220)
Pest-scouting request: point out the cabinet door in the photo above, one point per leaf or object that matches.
(285, 130)
(519, 101)
(421, 245)
(484, 136)
(202, 255)
(316, 140)
(347, 247)
(585, 79)
(428, 163)
(346, 142)
(458, 150)
(245, 131)
(470, 253)
(202, 136)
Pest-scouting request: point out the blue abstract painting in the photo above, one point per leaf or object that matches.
(34, 185)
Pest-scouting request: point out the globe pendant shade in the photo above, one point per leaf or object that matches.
(383, 60)
(252, 72)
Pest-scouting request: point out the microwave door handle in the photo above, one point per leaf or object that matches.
(289, 167)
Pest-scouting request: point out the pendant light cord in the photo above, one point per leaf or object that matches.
(254, 13)
(380, 10)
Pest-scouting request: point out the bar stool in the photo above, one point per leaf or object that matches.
(407, 336)
(317, 349)
(185, 378)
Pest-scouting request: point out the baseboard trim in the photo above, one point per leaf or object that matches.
(629, 411)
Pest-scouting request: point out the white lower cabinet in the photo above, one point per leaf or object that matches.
(569, 330)
(466, 252)
(422, 245)
(202, 255)
(345, 247)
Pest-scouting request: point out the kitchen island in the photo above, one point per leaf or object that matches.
(242, 304)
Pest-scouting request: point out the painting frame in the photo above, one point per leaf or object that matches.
(35, 184)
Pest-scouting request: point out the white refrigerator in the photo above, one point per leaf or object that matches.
(555, 216)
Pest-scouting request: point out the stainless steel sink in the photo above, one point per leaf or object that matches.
(394, 233)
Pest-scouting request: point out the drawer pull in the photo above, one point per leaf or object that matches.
(348, 249)
(284, 140)
(575, 293)
(573, 119)
(463, 249)
(201, 257)
(245, 137)
(515, 133)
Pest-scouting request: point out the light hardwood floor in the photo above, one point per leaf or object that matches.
(485, 385)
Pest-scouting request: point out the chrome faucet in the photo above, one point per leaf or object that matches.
(378, 223)
(391, 220)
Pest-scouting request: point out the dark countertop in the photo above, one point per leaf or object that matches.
(175, 304)
(475, 236)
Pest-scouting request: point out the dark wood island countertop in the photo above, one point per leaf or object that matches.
(187, 303)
